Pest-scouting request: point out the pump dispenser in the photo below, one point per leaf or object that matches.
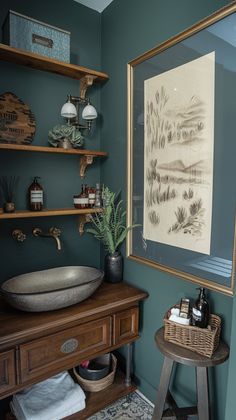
(35, 195)
(200, 310)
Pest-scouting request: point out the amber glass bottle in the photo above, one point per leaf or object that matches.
(91, 196)
(83, 198)
(35, 195)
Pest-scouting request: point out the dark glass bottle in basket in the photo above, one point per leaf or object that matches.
(200, 310)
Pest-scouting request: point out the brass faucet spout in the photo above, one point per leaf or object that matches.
(53, 233)
(58, 242)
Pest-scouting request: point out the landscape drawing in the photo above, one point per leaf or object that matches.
(178, 155)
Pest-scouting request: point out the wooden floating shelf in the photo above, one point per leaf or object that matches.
(24, 214)
(40, 62)
(45, 149)
(86, 156)
(84, 215)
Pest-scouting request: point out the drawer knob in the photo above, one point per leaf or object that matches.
(69, 345)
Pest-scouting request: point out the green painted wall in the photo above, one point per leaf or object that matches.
(129, 28)
(230, 398)
(45, 93)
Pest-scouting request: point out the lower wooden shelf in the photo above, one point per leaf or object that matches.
(96, 401)
(83, 214)
(22, 214)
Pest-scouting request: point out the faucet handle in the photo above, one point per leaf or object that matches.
(19, 235)
(37, 232)
(55, 231)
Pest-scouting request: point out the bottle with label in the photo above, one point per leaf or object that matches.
(86, 195)
(98, 196)
(91, 196)
(82, 200)
(35, 195)
(200, 310)
(76, 201)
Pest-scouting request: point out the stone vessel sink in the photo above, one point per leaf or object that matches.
(51, 289)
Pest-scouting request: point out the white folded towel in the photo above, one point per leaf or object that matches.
(52, 399)
(179, 320)
(175, 311)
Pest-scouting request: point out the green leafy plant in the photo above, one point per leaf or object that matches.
(109, 226)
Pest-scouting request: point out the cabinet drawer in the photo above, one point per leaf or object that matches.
(64, 349)
(125, 325)
(7, 371)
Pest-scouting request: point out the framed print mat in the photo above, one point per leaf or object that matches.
(181, 154)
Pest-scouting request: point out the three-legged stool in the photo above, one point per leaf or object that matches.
(174, 353)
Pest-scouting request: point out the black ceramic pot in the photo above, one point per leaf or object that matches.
(113, 268)
(9, 207)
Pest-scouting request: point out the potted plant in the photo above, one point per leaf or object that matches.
(66, 136)
(8, 186)
(110, 228)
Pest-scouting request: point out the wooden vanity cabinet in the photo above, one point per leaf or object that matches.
(7, 371)
(63, 349)
(125, 326)
(35, 346)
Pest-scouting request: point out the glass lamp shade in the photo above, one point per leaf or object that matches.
(89, 112)
(68, 110)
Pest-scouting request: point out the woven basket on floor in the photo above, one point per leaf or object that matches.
(95, 386)
(200, 340)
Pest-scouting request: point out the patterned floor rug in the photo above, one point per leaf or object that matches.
(133, 406)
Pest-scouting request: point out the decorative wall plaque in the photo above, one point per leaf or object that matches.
(17, 122)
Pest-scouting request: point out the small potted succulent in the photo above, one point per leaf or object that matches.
(66, 136)
(110, 228)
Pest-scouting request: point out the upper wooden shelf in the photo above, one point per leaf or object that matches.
(40, 62)
(45, 149)
(86, 156)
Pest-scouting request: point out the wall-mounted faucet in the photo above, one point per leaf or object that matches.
(18, 235)
(52, 233)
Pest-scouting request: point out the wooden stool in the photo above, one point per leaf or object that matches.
(174, 353)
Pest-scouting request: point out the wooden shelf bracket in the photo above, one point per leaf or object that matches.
(85, 82)
(84, 162)
(83, 219)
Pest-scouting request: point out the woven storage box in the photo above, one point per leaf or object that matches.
(95, 386)
(200, 340)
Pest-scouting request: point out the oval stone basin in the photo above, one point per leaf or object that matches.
(51, 289)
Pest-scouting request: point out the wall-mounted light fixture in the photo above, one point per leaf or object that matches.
(71, 109)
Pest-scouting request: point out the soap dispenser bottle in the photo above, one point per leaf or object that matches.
(35, 195)
(200, 310)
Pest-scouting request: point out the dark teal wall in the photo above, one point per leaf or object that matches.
(45, 93)
(129, 28)
(230, 398)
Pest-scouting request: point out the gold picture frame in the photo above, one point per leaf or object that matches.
(217, 270)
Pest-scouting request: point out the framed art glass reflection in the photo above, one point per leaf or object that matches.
(181, 152)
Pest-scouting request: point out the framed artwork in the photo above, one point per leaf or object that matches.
(181, 154)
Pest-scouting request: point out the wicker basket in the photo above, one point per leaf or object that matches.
(95, 386)
(200, 340)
